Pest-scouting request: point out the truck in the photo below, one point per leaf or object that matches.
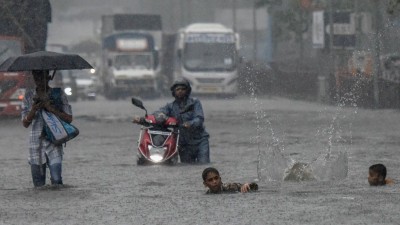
(12, 84)
(130, 55)
(354, 79)
(207, 56)
(389, 81)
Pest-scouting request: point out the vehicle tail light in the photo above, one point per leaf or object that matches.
(18, 94)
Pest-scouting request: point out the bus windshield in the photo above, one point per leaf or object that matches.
(9, 48)
(209, 56)
(123, 62)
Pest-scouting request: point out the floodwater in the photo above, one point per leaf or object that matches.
(310, 160)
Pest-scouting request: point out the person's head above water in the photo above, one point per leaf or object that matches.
(212, 179)
(377, 175)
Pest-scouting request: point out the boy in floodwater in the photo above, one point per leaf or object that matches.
(212, 180)
(377, 175)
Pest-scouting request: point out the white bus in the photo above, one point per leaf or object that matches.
(207, 56)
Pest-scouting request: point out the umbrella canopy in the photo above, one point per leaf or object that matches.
(44, 60)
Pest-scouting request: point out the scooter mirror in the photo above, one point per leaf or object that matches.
(138, 103)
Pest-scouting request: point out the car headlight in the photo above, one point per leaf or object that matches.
(68, 91)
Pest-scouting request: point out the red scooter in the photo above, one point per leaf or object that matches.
(158, 139)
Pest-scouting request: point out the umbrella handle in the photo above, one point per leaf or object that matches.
(52, 76)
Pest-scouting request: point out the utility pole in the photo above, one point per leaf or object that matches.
(189, 6)
(377, 63)
(181, 13)
(255, 33)
(332, 64)
(234, 15)
(357, 24)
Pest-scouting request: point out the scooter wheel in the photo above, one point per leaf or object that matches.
(140, 161)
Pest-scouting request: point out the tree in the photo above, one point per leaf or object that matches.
(26, 19)
(289, 19)
(393, 6)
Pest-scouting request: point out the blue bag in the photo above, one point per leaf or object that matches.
(56, 130)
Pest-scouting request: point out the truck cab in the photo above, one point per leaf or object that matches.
(130, 55)
(132, 64)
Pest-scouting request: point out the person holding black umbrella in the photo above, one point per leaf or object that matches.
(42, 152)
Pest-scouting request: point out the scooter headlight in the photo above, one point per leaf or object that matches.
(156, 158)
(157, 154)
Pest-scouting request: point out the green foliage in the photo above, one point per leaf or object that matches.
(288, 16)
(393, 6)
(26, 19)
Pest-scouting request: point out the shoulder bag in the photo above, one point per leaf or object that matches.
(56, 130)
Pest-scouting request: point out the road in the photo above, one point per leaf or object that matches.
(103, 184)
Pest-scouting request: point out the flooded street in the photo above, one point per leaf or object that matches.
(317, 86)
(103, 184)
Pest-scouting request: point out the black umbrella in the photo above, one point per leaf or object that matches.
(44, 60)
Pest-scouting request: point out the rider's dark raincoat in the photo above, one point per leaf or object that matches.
(194, 140)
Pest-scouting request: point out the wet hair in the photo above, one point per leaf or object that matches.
(208, 170)
(46, 73)
(39, 72)
(379, 168)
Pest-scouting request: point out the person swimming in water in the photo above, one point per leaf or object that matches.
(212, 180)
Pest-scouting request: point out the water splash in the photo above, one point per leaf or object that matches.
(263, 126)
(330, 167)
(299, 172)
(274, 165)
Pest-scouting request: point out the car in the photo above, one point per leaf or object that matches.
(85, 83)
(65, 80)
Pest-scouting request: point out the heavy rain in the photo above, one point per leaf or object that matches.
(298, 96)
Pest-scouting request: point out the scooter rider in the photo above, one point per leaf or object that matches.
(193, 139)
